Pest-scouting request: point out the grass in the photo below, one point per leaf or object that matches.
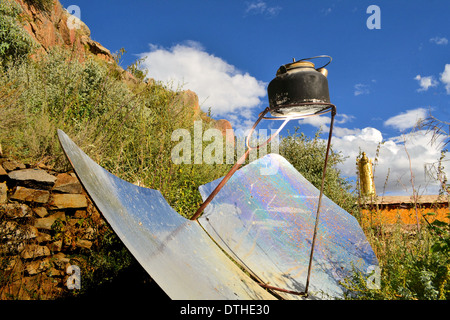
(127, 127)
(414, 263)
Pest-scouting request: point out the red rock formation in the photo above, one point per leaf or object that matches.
(224, 126)
(59, 28)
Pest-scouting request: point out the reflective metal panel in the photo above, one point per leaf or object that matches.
(176, 252)
(264, 217)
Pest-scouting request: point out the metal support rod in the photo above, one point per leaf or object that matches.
(295, 293)
(333, 114)
(242, 160)
(236, 166)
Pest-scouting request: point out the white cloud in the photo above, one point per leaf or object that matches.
(342, 132)
(407, 119)
(261, 7)
(361, 89)
(392, 171)
(371, 135)
(439, 40)
(344, 118)
(425, 82)
(320, 121)
(219, 85)
(445, 78)
(324, 121)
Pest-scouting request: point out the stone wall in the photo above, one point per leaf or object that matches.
(46, 218)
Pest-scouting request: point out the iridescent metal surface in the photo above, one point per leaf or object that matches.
(176, 252)
(264, 218)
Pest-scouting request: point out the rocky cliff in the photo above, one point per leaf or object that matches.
(57, 27)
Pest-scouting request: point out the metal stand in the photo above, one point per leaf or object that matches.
(242, 159)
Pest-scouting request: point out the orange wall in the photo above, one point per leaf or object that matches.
(405, 215)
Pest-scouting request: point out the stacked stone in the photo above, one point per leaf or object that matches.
(45, 217)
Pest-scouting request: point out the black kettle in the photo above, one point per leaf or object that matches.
(299, 89)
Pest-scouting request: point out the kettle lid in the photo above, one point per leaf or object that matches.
(295, 65)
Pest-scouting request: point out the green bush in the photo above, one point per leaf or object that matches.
(127, 128)
(307, 155)
(412, 268)
(15, 43)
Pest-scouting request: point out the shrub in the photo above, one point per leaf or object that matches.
(307, 156)
(15, 43)
(127, 128)
(411, 268)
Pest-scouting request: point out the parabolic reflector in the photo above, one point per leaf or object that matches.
(176, 252)
(264, 218)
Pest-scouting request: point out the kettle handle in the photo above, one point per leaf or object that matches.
(321, 56)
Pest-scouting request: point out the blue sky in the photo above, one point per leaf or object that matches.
(381, 80)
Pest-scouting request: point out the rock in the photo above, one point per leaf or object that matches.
(2, 171)
(55, 246)
(14, 289)
(33, 178)
(78, 24)
(30, 232)
(3, 193)
(68, 201)
(31, 195)
(58, 27)
(46, 223)
(43, 237)
(225, 126)
(45, 166)
(66, 183)
(84, 244)
(17, 210)
(89, 234)
(189, 99)
(11, 230)
(40, 211)
(11, 165)
(80, 214)
(37, 266)
(11, 263)
(96, 48)
(60, 260)
(32, 251)
(53, 272)
(8, 229)
(11, 247)
(73, 222)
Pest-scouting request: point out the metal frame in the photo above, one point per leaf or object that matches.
(331, 108)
